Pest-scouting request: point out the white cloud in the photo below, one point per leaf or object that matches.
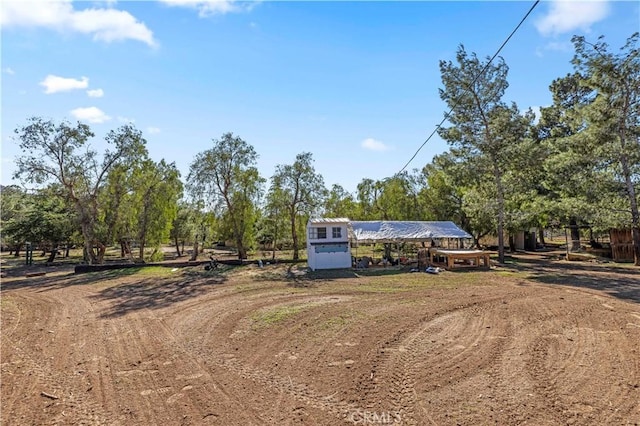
(562, 46)
(374, 145)
(212, 7)
(90, 114)
(126, 120)
(54, 84)
(8, 70)
(554, 46)
(153, 130)
(103, 24)
(95, 93)
(567, 15)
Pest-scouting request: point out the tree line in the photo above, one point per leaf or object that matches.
(576, 163)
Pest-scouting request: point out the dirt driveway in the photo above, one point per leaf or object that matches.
(535, 342)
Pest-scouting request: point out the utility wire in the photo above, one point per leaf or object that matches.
(446, 116)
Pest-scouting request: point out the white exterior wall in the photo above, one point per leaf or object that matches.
(329, 252)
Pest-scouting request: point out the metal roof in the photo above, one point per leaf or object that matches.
(403, 231)
(319, 220)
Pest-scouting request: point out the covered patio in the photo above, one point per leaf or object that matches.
(440, 243)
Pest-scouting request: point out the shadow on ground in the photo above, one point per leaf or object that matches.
(153, 293)
(304, 277)
(132, 289)
(621, 281)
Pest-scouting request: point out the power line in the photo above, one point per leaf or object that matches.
(446, 116)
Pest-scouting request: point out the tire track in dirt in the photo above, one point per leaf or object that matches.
(504, 354)
(440, 353)
(47, 375)
(559, 356)
(435, 353)
(569, 358)
(226, 314)
(151, 369)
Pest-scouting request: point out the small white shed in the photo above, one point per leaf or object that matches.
(328, 244)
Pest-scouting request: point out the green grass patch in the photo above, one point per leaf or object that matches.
(276, 315)
(141, 271)
(7, 303)
(506, 273)
(340, 321)
(380, 288)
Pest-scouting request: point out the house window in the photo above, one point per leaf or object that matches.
(317, 233)
(336, 232)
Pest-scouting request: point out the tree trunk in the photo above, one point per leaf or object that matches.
(102, 250)
(635, 234)
(54, 252)
(294, 236)
(512, 243)
(87, 234)
(498, 178)
(476, 241)
(141, 251)
(575, 234)
(242, 252)
(635, 214)
(194, 253)
(541, 236)
(275, 238)
(17, 251)
(91, 255)
(177, 246)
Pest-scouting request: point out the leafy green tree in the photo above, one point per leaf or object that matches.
(613, 117)
(481, 123)
(303, 193)
(183, 227)
(157, 188)
(57, 153)
(399, 199)
(569, 180)
(274, 220)
(119, 207)
(13, 204)
(43, 218)
(367, 193)
(225, 177)
(445, 183)
(393, 198)
(340, 203)
(202, 225)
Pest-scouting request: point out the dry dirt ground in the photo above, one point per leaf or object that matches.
(535, 342)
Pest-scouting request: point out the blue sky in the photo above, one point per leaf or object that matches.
(354, 83)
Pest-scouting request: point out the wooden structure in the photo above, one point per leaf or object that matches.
(458, 258)
(621, 245)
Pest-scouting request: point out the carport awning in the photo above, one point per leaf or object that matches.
(381, 231)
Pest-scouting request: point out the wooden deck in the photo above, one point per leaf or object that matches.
(451, 259)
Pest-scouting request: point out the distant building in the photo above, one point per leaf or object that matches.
(329, 240)
(328, 244)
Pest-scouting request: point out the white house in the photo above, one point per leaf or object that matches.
(328, 244)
